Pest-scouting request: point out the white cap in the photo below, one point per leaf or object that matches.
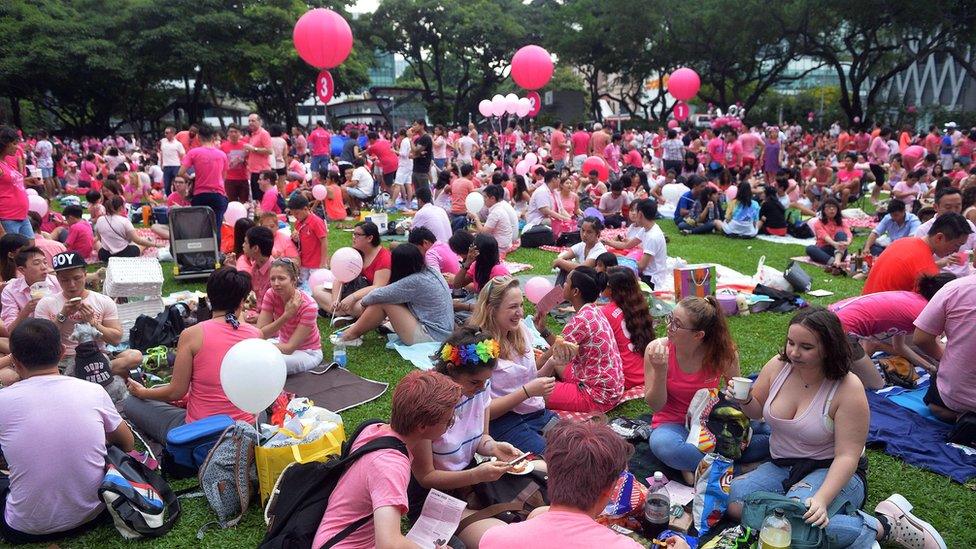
(597, 126)
(950, 124)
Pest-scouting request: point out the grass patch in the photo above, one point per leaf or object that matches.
(946, 505)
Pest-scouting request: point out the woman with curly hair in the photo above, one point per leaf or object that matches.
(630, 320)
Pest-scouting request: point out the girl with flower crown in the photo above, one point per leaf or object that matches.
(447, 463)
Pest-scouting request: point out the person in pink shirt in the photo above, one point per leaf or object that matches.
(575, 499)
(209, 164)
(611, 153)
(269, 200)
(599, 140)
(437, 255)
(321, 142)
(259, 152)
(13, 195)
(299, 142)
(196, 372)
(382, 150)
(19, 297)
(375, 486)
(849, 180)
(255, 260)
(283, 245)
(461, 187)
(236, 184)
(50, 247)
(311, 234)
(289, 319)
(580, 146)
(481, 264)
(558, 147)
(81, 238)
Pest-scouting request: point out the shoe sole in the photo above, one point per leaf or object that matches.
(906, 507)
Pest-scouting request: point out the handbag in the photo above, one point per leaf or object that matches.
(272, 461)
(694, 281)
(759, 505)
(768, 276)
(797, 277)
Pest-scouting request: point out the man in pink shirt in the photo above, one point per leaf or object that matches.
(259, 151)
(209, 164)
(18, 298)
(581, 143)
(256, 260)
(81, 238)
(236, 184)
(189, 138)
(460, 189)
(382, 150)
(50, 247)
(576, 499)
(599, 140)
(300, 143)
(437, 255)
(321, 142)
(375, 485)
(557, 147)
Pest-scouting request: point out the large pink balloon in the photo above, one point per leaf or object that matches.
(319, 192)
(522, 167)
(235, 210)
(536, 288)
(322, 38)
(320, 277)
(598, 164)
(346, 264)
(484, 107)
(36, 203)
(532, 67)
(683, 84)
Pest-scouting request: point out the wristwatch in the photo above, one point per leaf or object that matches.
(61, 318)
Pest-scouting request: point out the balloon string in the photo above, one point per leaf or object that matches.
(335, 307)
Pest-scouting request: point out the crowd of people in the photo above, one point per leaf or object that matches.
(491, 393)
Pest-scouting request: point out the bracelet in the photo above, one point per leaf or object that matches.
(527, 395)
(546, 333)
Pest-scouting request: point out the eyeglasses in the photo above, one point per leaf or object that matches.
(355, 234)
(672, 323)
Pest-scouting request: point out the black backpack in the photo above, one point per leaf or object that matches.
(164, 329)
(301, 494)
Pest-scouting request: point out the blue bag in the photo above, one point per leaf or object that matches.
(187, 446)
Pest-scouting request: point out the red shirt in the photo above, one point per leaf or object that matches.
(581, 142)
(236, 160)
(321, 142)
(259, 162)
(383, 260)
(311, 231)
(599, 140)
(932, 143)
(557, 145)
(681, 388)
(176, 199)
(382, 150)
(460, 189)
(633, 158)
(632, 359)
(210, 164)
(900, 266)
(184, 138)
(80, 239)
(13, 196)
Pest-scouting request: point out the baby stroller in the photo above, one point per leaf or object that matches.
(193, 242)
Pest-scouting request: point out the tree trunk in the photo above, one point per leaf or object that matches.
(15, 114)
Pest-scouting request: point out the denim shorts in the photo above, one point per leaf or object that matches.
(21, 227)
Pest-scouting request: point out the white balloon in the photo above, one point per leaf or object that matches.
(524, 107)
(532, 159)
(474, 202)
(511, 102)
(252, 374)
(498, 105)
(673, 191)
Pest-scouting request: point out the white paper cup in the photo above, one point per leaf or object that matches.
(741, 387)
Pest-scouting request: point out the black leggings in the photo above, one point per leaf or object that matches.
(129, 251)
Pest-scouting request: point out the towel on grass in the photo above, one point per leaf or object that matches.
(419, 354)
(787, 240)
(334, 388)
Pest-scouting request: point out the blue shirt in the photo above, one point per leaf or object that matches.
(896, 231)
(685, 202)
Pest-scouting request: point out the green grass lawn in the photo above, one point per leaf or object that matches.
(946, 505)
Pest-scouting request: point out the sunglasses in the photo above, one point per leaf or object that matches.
(673, 323)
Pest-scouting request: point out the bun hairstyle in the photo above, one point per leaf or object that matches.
(589, 282)
(466, 351)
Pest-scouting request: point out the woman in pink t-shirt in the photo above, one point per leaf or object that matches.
(288, 317)
(630, 320)
(481, 264)
(677, 367)
(199, 357)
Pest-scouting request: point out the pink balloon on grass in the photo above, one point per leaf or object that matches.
(36, 203)
(319, 192)
(235, 210)
(322, 38)
(536, 288)
(532, 67)
(346, 264)
(683, 84)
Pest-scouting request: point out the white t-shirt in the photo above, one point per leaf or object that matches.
(43, 148)
(502, 223)
(170, 151)
(510, 375)
(363, 179)
(156, 173)
(278, 145)
(465, 146)
(113, 231)
(455, 449)
(541, 198)
(611, 205)
(49, 307)
(653, 244)
(595, 251)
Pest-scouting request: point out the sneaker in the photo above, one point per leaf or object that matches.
(336, 339)
(906, 529)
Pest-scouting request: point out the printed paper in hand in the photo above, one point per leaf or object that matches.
(438, 520)
(550, 300)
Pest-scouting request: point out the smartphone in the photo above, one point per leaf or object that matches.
(519, 459)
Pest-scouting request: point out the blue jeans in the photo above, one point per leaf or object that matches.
(216, 202)
(320, 162)
(824, 254)
(876, 249)
(668, 444)
(856, 531)
(701, 228)
(18, 226)
(169, 174)
(523, 431)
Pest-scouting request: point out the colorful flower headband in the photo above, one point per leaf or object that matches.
(473, 352)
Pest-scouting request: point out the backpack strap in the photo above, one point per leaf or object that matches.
(346, 532)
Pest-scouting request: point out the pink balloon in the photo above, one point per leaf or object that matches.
(498, 105)
(535, 101)
(681, 111)
(531, 158)
(31, 192)
(672, 124)
(511, 103)
(36, 203)
(524, 107)
(536, 288)
(683, 84)
(484, 107)
(320, 277)
(598, 164)
(346, 264)
(319, 192)
(532, 67)
(731, 192)
(522, 167)
(322, 38)
(235, 210)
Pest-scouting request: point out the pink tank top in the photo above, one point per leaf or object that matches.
(811, 435)
(681, 389)
(206, 397)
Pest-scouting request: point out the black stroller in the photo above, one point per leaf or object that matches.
(193, 242)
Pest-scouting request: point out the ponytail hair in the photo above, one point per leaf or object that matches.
(589, 282)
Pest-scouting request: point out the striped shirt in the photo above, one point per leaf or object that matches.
(455, 449)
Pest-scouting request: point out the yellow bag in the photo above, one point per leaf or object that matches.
(272, 461)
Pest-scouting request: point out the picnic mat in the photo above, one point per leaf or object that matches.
(902, 426)
(806, 259)
(633, 393)
(517, 267)
(787, 240)
(334, 388)
(148, 234)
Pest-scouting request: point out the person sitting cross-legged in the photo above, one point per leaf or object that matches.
(289, 317)
(52, 493)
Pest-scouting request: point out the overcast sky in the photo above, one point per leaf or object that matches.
(364, 6)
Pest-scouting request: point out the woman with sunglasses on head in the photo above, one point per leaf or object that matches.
(289, 318)
(447, 463)
(375, 273)
(696, 354)
(584, 357)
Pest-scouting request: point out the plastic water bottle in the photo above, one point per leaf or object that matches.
(776, 532)
(339, 355)
(657, 508)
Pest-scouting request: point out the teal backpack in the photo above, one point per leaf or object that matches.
(759, 505)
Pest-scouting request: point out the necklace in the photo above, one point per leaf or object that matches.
(803, 381)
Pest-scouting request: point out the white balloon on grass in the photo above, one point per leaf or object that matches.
(672, 192)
